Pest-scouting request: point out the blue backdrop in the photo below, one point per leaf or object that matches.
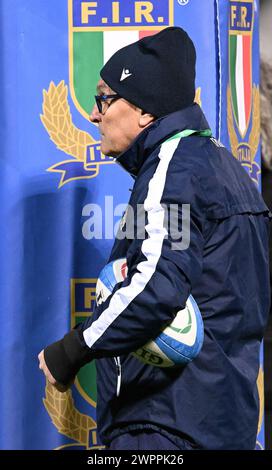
(49, 262)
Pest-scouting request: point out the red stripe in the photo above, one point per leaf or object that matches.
(143, 34)
(247, 74)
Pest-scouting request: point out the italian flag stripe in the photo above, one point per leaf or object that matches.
(86, 67)
(232, 52)
(115, 40)
(98, 47)
(143, 34)
(239, 77)
(247, 74)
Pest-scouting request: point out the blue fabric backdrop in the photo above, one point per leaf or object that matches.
(49, 263)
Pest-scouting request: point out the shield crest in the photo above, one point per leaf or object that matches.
(240, 61)
(98, 29)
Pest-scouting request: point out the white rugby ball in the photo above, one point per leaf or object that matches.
(178, 343)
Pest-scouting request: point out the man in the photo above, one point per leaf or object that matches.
(148, 120)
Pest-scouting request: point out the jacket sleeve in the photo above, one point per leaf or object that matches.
(160, 277)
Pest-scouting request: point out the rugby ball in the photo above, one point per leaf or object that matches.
(111, 274)
(178, 343)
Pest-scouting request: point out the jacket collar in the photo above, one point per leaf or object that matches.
(151, 137)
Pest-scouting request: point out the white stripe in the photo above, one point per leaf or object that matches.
(151, 248)
(115, 40)
(239, 76)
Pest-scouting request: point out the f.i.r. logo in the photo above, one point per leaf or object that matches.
(122, 13)
(241, 15)
(243, 95)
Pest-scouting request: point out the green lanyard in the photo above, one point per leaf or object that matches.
(187, 132)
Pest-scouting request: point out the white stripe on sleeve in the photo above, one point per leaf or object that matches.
(151, 248)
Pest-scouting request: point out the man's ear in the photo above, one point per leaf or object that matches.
(145, 119)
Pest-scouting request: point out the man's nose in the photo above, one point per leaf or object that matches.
(95, 115)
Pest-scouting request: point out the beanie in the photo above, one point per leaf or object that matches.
(156, 73)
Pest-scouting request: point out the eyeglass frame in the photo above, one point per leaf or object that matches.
(103, 98)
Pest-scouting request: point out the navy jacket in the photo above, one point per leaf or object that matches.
(213, 401)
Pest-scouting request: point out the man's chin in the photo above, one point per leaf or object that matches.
(109, 152)
(105, 150)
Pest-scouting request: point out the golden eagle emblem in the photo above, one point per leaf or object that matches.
(57, 120)
(246, 152)
(68, 420)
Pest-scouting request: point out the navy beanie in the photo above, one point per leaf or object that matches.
(156, 73)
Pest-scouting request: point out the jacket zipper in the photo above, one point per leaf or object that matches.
(119, 374)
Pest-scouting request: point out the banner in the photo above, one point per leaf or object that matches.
(239, 104)
(62, 199)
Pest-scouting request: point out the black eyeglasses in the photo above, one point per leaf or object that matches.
(100, 99)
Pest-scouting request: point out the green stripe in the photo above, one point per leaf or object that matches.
(233, 57)
(88, 60)
(187, 132)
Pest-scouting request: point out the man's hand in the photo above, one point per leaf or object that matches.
(49, 376)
